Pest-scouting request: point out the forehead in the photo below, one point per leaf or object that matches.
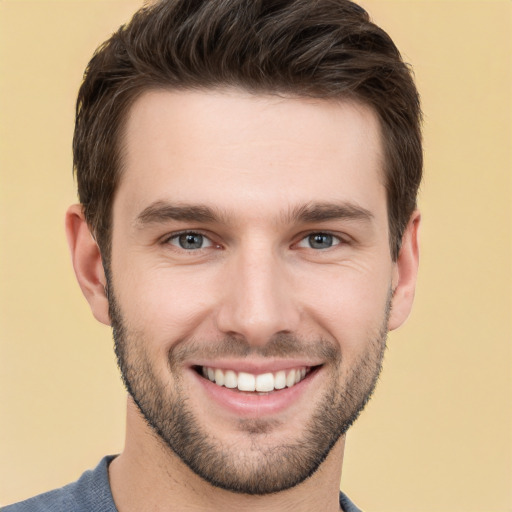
(229, 145)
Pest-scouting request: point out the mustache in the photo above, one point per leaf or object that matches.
(281, 345)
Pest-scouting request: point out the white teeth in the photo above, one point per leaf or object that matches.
(290, 379)
(219, 377)
(230, 380)
(263, 383)
(246, 382)
(280, 380)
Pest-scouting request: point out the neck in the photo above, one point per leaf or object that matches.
(149, 476)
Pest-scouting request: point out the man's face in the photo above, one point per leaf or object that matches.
(251, 278)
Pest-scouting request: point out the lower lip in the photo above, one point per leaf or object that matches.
(252, 404)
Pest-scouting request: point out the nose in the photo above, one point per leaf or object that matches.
(259, 299)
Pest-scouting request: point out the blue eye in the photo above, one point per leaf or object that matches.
(190, 241)
(319, 241)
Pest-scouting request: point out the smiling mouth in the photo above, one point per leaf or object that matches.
(261, 383)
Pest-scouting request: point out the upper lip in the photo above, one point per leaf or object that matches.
(256, 367)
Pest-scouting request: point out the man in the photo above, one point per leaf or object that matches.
(247, 173)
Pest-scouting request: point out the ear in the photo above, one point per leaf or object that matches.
(86, 258)
(405, 273)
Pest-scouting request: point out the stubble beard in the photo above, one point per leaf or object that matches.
(262, 468)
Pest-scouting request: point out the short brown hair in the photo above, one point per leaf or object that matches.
(312, 48)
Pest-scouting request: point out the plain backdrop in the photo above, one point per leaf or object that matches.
(437, 435)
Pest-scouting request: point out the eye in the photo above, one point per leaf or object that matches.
(190, 241)
(319, 241)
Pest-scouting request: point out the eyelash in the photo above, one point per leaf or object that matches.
(335, 240)
(176, 236)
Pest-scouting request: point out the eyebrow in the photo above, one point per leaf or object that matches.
(162, 211)
(320, 212)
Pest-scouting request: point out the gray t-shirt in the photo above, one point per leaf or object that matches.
(91, 493)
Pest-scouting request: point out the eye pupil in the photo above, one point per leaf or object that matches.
(191, 241)
(320, 241)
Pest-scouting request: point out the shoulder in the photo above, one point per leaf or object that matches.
(90, 492)
(346, 504)
(52, 501)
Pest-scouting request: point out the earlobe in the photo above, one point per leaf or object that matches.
(87, 263)
(406, 270)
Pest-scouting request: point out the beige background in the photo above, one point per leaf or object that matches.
(437, 435)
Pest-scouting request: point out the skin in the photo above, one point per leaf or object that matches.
(256, 161)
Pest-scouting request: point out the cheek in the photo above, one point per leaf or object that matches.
(351, 306)
(166, 304)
